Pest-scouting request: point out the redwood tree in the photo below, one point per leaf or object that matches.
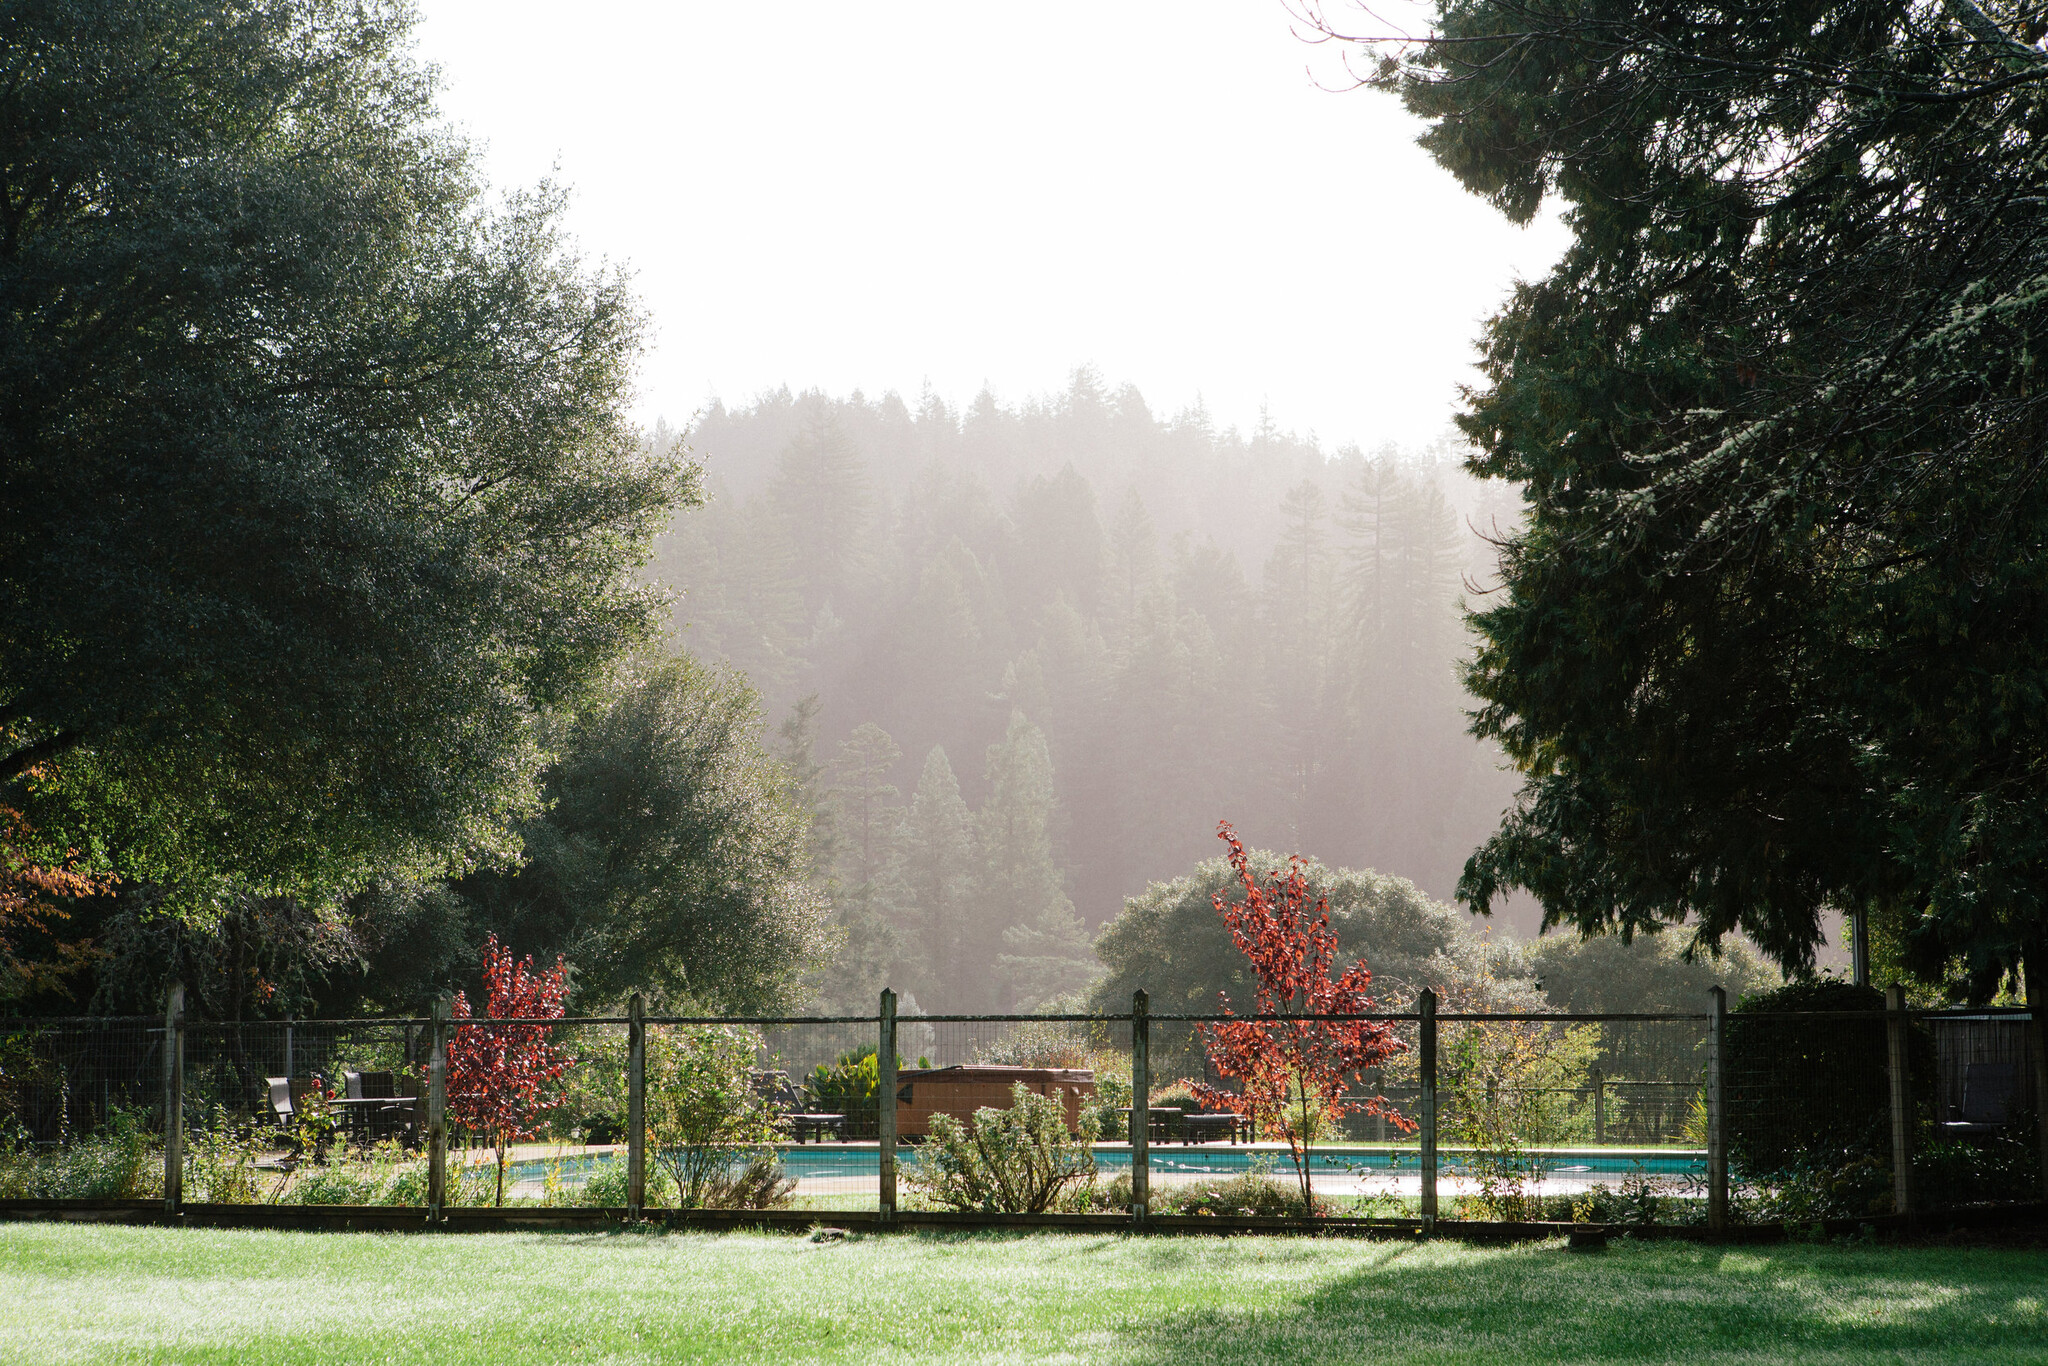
(1291, 1062)
(497, 1072)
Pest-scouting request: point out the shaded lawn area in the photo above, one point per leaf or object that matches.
(189, 1296)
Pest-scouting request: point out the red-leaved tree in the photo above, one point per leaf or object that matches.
(1292, 1070)
(497, 1074)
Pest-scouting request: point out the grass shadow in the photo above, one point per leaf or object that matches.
(1635, 1303)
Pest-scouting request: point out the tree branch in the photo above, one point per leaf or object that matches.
(28, 756)
(2013, 54)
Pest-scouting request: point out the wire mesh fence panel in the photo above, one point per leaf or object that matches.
(1975, 1122)
(1062, 1086)
(1983, 1069)
(65, 1080)
(1809, 1099)
(1537, 1117)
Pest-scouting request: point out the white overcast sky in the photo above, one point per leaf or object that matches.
(882, 196)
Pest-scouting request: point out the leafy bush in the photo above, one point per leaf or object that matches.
(1178, 1095)
(759, 1183)
(1016, 1161)
(1513, 1090)
(591, 1105)
(1041, 1043)
(1808, 1098)
(851, 1087)
(1952, 1172)
(1171, 1101)
(1112, 1098)
(1253, 1193)
(339, 1183)
(704, 1117)
(220, 1163)
(383, 1176)
(123, 1160)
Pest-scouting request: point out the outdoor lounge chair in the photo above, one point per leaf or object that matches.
(1988, 1089)
(788, 1103)
(282, 1111)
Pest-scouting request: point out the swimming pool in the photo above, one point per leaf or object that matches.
(829, 1161)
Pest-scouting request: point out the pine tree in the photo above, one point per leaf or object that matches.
(1133, 571)
(935, 875)
(1299, 617)
(864, 802)
(1049, 958)
(820, 497)
(798, 735)
(1018, 876)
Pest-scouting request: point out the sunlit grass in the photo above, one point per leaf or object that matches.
(193, 1296)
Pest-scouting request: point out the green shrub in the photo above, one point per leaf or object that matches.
(220, 1163)
(383, 1176)
(1512, 1090)
(591, 1104)
(1254, 1193)
(1809, 1098)
(1016, 1161)
(851, 1087)
(1954, 1172)
(122, 1160)
(759, 1183)
(1041, 1043)
(704, 1119)
(1112, 1098)
(339, 1183)
(1178, 1095)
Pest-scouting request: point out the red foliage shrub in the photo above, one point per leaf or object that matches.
(1292, 1067)
(498, 1075)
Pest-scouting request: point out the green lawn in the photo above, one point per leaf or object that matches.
(114, 1295)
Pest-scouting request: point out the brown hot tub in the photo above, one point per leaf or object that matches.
(960, 1091)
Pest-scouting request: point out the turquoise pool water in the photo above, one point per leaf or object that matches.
(825, 1161)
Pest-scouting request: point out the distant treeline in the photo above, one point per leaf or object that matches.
(1179, 623)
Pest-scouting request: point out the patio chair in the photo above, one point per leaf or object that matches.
(1988, 1089)
(282, 1110)
(366, 1119)
(788, 1103)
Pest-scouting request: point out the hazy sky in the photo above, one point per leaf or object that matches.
(884, 195)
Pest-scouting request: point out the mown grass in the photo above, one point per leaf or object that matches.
(191, 1296)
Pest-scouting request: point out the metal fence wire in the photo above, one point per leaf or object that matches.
(1709, 1117)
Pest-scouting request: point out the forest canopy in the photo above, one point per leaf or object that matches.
(1029, 653)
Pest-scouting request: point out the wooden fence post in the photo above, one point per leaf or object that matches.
(1141, 1106)
(437, 1109)
(1599, 1105)
(1717, 1110)
(1427, 1007)
(2035, 972)
(174, 1098)
(885, 1105)
(1899, 1068)
(636, 1107)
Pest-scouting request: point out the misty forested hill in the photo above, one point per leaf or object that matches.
(1051, 645)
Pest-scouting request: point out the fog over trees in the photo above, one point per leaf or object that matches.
(1025, 657)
